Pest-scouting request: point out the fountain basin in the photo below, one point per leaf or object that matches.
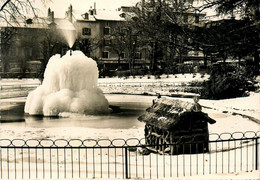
(126, 109)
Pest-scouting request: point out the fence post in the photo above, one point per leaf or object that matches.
(126, 164)
(256, 153)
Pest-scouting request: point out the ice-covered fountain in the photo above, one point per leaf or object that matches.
(69, 85)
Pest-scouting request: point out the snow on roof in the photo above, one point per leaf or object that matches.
(101, 14)
(38, 23)
(166, 113)
(62, 23)
(109, 15)
(79, 15)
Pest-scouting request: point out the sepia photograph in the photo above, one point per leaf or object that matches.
(130, 89)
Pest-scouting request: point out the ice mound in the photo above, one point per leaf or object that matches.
(69, 85)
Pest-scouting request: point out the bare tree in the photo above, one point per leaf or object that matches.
(12, 10)
(118, 41)
(50, 45)
(7, 35)
(238, 37)
(162, 28)
(88, 46)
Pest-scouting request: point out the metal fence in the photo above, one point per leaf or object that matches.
(18, 86)
(144, 83)
(105, 84)
(120, 158)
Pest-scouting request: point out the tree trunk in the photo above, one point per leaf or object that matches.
(119, 61)
(205, 59)
(131, 64)
(256, 62)
(154, 56)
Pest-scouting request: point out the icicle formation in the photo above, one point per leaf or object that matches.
(70, 85)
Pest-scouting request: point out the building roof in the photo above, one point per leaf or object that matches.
(38, 23)
(79, 15)
(109, 15)
(62, 23)
(100, 15)
(167, 113)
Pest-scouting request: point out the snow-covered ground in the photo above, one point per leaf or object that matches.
(231, 115)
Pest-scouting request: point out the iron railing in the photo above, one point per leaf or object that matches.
(105, 84)
(18, 86)
(144, 83)
(120, 158)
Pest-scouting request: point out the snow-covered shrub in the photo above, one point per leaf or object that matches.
(122, 73)
(228, 81)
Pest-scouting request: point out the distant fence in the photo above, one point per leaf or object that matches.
(120, 158)
(18, 86)
(105, 84)
(148, 83)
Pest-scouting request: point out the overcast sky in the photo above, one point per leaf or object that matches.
(60, 6)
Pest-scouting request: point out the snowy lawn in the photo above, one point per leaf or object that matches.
(231, 115)
(228, 113)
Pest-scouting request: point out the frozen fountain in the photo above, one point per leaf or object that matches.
(69, 85)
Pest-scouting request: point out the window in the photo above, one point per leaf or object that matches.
(85, 16)
(123, 15)
(13, 51)
(197, 18)
(27, 51)
(106, 31)
(20, 51)
(92, 12)
(138, 55)
(122, 55)
(185, 18)
(86, 31)
(105, 54)
(28, 21)
(107, 42)
(123, 29)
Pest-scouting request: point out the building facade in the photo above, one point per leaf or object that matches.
(27, 46)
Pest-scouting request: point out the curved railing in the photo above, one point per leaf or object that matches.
(118, 142)
(125, 158)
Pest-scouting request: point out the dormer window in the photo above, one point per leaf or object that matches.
(28, 21)
(122, 15)
(92, 11)
(106, 31)
(85, 16)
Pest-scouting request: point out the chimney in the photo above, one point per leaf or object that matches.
(49, 12)
(92, 11)
(70, 13)
(52, 16)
